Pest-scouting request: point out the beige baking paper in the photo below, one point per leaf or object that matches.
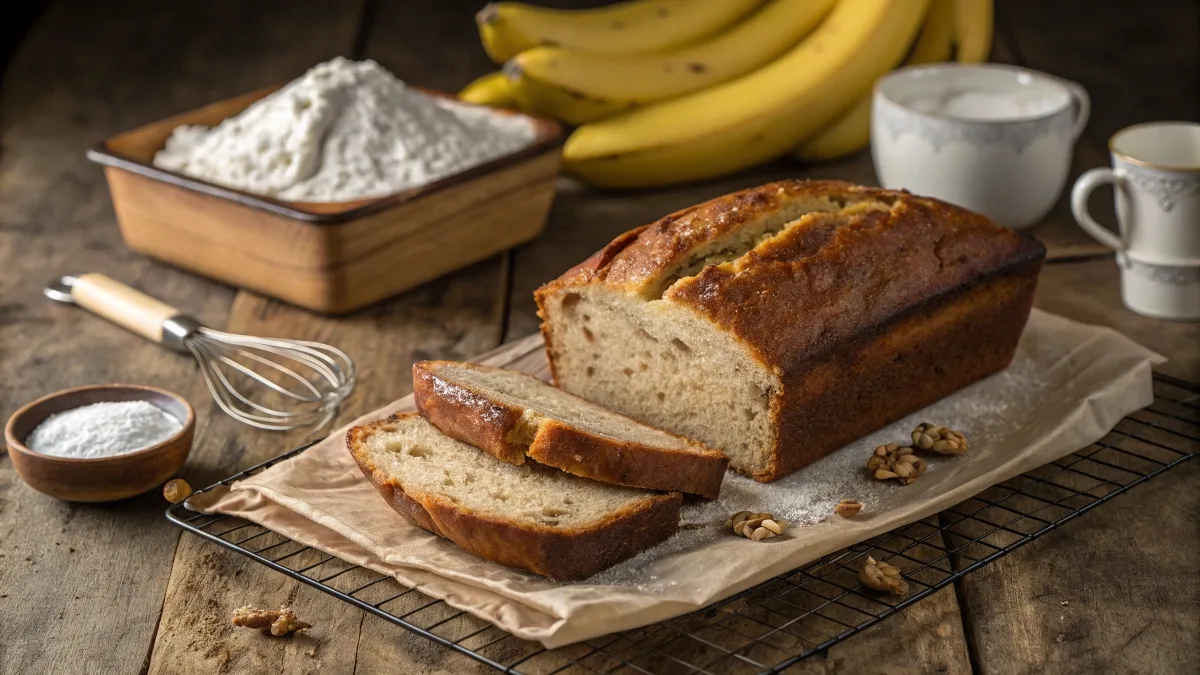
(1069, 384)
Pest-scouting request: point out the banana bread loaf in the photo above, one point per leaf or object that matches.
(781, 322)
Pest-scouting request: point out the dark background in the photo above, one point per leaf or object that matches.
(1103, 45)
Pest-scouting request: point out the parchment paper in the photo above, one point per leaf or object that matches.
(1068, 385)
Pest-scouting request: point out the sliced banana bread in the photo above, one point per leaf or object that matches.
(513, 415)
(541, 520)
(781, 322)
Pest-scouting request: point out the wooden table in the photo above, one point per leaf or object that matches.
(115, 589)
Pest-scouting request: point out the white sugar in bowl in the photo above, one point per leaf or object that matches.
(992, 138)
(99, 478)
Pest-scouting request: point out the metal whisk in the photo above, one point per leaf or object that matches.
(312, 379)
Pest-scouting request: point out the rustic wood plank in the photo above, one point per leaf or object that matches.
(208, 583)
(1039, 609)
(88, 71)
(1102, 594)
(456, 317)
(930, 632)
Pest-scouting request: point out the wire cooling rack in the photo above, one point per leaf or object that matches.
(770, 627)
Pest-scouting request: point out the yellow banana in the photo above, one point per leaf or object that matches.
(569, 106)
(627, 80)
(937, 35)
(507, 28)
(848, 135)
(973, 22)
(492, 89)
(852, 132)
(755, 118)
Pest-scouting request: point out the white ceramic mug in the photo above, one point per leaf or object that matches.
(1156, 178)
(995, 139)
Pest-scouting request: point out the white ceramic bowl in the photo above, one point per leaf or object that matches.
(995, 139)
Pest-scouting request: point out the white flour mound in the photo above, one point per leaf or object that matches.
(345, 130)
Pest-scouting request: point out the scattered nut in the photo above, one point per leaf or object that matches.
(287, 623)
(772, 526)
(278, 622)
(848, 508)
(739, 516)
(893, 461)
(249, 617)
(929, 436)
(756, 526)
(745, 527)
(881, 576)
(177, 490)
(882, 458)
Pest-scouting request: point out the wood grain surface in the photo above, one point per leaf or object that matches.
(83, 585)
(1098, 596)
(115, 589)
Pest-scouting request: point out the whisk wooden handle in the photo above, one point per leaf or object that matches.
(128, 308)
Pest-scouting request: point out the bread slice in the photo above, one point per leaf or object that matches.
(513, 415)
(541, 520)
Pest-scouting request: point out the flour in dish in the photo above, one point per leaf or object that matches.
(345, 130)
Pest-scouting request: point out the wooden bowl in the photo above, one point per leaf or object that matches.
(102, 479)
(332, 257)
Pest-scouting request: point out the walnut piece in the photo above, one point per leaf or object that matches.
(848, 508)
(880, 576)
(278, 622)
(177, 490)
(929, 436)
(755, 526)
(895, 461)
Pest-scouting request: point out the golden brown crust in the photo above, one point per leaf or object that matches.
(578, 452)
(856, 277)
(558, 553)
(883, 375)
(466, 415)
(845, 276)
(490, 424)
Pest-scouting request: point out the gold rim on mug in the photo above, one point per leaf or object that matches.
(1112, 147)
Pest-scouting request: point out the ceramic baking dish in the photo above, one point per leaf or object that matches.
(328, 257)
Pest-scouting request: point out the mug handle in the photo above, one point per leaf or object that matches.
(1088, 182)
(1085, 107)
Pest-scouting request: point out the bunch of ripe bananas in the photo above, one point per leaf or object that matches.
(672, 91)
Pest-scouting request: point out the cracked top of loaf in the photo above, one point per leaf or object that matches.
(795, 267)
